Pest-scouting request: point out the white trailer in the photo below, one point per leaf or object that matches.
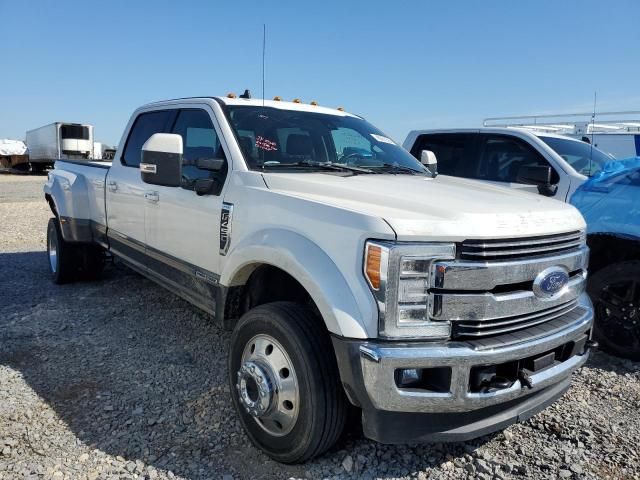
(59, 141)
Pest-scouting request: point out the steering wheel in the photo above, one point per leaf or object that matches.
(352, 156)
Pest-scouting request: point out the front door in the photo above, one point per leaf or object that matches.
(182, 227)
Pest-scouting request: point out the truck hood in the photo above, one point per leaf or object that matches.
(424, 208)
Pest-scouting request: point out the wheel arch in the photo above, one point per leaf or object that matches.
(608, 248)
(301, 262)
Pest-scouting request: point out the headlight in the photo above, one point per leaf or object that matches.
(399, 276)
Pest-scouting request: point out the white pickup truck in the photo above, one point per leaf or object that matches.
(440, 308)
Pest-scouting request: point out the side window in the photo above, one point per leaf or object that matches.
(200, 141)
(451, 150)
(501, 157)
(144, 126)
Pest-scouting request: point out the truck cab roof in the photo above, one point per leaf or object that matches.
(259, 102)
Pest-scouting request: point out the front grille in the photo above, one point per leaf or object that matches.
(516, 248)
(486, 328)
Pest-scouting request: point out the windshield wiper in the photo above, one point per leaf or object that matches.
(400, 168)
(319, 165)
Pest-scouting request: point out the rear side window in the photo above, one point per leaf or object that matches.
(452, 150)
(145, 125)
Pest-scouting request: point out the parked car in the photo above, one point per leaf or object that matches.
(610, 202)
(441, 309)
(566, 169)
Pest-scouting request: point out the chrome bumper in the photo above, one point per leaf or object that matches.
(378, 362)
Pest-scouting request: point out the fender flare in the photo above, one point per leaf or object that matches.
(69, 194)
(308, 264)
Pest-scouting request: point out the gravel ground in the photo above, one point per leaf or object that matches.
(118, 379)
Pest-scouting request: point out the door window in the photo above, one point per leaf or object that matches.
(200, 141)
(451, 149)
(502, 156)
(144, 126)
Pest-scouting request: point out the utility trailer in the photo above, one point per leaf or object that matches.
(59, 141)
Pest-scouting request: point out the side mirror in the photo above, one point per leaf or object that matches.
(429, 160)
(161, 162)
(203, 186)
(537, 175)
(211, 164)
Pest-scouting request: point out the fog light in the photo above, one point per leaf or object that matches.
(409, 377)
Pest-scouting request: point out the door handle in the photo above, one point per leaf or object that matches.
(152, 196)
(113, 186)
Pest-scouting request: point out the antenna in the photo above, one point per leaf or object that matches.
(593, 125)
(264, 48)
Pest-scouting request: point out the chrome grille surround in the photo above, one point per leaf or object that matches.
(492, 294)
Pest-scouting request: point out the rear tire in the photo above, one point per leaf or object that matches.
(62, 256)
(315, 411)
(615, 293)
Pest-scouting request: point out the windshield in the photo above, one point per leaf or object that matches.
(272, 138)
(582, 157)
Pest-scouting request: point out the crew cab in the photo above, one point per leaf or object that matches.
(440, 308)
(539, 162)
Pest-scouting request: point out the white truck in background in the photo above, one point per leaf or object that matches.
(59, 141)
(442, 309)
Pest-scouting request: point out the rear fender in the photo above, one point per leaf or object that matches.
(69, 194)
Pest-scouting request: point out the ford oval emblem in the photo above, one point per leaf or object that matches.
(550, 282)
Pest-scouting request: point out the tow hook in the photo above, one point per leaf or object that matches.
(592, 345)
(525, 379)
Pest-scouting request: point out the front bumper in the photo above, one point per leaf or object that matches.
(368, 371)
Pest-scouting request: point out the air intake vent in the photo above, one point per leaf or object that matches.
(516, 248)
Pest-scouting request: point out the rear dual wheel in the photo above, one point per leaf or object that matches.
(285, 382)
(69, 261)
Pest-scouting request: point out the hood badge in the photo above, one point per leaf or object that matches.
(551, 282)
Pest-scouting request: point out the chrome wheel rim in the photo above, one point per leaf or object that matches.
(52, 250)
(267, 385)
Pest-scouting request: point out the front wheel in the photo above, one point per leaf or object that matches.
(285, 382)
(615, 293)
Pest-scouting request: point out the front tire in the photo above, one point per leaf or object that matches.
(285, 383)
(615, 293)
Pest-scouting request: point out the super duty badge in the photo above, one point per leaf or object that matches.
(225, 227)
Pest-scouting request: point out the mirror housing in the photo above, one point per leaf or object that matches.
(210, 164)
(161, 162)
(540, 176)
(429, 160)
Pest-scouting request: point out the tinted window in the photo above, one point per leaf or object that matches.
(452, 150)
(74, 131)
(145, 125)
(200, 141)
(300, 141)
(502, 156)
(582, 157)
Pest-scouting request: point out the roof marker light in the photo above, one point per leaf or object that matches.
(314, 103)
(296, 100)
(276, 98)
(231, 95)
(341, 109)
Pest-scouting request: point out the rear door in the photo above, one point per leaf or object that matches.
(125, 190)
(182, 227)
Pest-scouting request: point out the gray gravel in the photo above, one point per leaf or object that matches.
(118, 379)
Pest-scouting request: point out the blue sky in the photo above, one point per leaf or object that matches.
(403, 65)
